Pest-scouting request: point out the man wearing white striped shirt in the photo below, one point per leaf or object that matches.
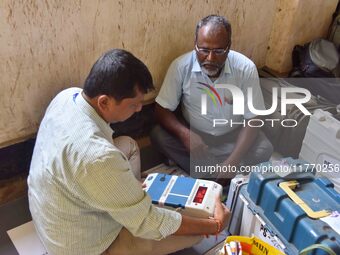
(85, 194)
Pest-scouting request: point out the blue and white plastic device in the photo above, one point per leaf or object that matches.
(193, 197)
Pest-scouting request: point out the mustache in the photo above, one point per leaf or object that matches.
(211, 64)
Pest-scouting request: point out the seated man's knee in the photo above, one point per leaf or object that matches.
(260, 153)
(133, 145)
(158, 135)
(154, 134)
(264, 152)
(127, 145)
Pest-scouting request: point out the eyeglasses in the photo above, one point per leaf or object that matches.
(206, 52)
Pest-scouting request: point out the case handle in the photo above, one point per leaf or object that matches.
(317, 246)
(288, 187)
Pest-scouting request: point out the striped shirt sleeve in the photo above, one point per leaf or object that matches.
(109, 185)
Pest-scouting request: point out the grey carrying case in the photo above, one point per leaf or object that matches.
(288, 140)
(234, 204)
(268, 82)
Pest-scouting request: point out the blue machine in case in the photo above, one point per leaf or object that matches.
(296, 224)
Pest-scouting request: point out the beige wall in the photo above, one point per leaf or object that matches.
(49, 45)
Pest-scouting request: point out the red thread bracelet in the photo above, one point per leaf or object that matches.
(218, 227)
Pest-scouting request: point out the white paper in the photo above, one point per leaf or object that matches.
(333, 221)
(26, 240)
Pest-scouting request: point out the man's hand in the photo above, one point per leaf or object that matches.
(200, 226)
(244, 141)
(222, 181)
(192, 141)
(225, 177)
(221, 213)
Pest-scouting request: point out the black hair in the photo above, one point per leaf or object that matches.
(117, 73)
(215, 20)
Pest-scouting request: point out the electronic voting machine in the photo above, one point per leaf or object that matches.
(193, 197)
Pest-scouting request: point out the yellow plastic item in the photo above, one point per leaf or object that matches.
(254, 246)
(288, 187)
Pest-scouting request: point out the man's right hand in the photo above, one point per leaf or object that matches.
(221, 213)
(200, 226)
